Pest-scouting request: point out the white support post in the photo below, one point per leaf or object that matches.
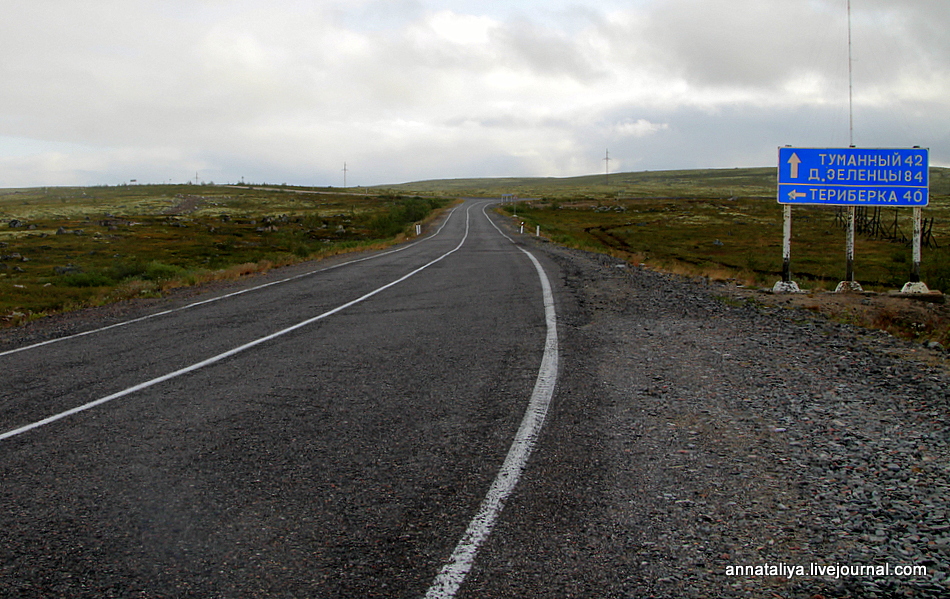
(786, 285)
(915, 285)
(849, 284)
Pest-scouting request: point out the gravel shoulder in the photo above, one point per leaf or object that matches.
(734, 433)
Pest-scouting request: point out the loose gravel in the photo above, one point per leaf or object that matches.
(743, 435)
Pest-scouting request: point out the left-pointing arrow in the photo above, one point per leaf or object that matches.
(794, 161)
(794, 195)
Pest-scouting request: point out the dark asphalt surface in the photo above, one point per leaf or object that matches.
(343, 459)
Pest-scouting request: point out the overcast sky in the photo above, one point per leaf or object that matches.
(287, 91)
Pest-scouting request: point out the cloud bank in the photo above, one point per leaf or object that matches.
(107, 91)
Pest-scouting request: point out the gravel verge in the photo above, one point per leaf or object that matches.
(738, 434)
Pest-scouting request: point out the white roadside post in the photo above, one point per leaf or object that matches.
(915, 285)
(849, 285)
(786, 285)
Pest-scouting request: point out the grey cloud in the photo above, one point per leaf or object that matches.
(542, 51)
(291, 88)
(746, 43)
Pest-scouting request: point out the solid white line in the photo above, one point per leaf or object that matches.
(232, 352)
(453, 573)
(226, 296)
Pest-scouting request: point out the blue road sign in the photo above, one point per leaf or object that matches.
(854, 176)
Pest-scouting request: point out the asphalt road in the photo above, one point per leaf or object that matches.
(330, 435)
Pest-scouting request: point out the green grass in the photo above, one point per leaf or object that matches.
(78, 247)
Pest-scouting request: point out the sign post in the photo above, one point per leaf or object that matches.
(786, 285)
(915, 285)
(853, 177)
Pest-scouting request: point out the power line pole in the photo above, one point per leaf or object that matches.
(850, 84)
(607, 168)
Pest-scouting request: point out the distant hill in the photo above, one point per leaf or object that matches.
(726, 182)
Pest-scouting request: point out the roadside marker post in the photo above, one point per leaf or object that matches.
(786, 285)
(853, 177)
(915, 285)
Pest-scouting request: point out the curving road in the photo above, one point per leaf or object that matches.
(336, 432)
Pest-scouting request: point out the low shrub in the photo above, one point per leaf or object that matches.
(159, 271)
(87, 279)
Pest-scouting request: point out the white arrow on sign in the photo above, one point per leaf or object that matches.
(793, 195)
(794, 161)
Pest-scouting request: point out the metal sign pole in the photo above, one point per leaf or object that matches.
(849, 284)
(915, 273)
(915, 285)
(849, 248)
(787, 245)
(786, 285)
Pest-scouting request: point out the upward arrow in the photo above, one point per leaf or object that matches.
(794, 161)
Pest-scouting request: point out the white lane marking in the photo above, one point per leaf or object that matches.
(232, 352)
(228, 295)
(453, 573)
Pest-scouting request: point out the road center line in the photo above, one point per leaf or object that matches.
(232, 352)
(453, 573)
(226, 296)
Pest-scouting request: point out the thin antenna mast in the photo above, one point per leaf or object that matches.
(850, 84)
(344, 175)
(607, 168)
